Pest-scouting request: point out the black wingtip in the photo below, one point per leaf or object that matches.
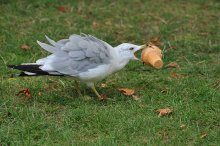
(31, 68)
(11, 66)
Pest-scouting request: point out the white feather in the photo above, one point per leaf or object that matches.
(47, 47)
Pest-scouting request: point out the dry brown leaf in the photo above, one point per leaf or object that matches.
(126, 91)
(61, 9)
(25, 92)
(203, 135)
(95, 24)
(135, 97)
(155, 41)
(104, 97)
(172, 65)
(175, 75)
(25, 47)
(164, 112)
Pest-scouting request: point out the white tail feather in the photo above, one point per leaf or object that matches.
(52, 42)
(47, 47)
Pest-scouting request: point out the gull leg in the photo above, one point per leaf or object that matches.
(96, 92)
(77, 88)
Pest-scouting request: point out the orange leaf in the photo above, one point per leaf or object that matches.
(164, 112)
(26, 92)
(61, 9)
(25, 47)
(172, 65)
(126, 91)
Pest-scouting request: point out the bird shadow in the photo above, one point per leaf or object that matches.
(71, 98)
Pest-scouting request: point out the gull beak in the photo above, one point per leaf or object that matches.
(140, 48)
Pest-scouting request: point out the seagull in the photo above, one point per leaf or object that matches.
(83, 57)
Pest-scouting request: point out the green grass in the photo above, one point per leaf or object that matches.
(56, 116)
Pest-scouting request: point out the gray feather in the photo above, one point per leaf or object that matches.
(63, 41)
(75, 55)
(90, 53)
(48, 48)
(52, 42)
(84, 44)
(71, 46)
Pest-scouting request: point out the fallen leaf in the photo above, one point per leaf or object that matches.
(135, 97)
(172, 65)
(203, 135)
(126, 91)
(25, 47)
(155, 41)
(26, 92)
(61, 9)
(164, 112)
(175, 75)
(104, 97)
(95, 24)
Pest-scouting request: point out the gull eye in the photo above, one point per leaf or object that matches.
(131, 48)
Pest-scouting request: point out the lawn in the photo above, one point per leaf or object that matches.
(55, 115)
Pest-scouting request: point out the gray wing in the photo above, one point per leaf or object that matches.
(77, 54)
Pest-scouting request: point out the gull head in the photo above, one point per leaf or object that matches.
(127, 51)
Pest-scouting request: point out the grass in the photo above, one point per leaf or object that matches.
(190, 34)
